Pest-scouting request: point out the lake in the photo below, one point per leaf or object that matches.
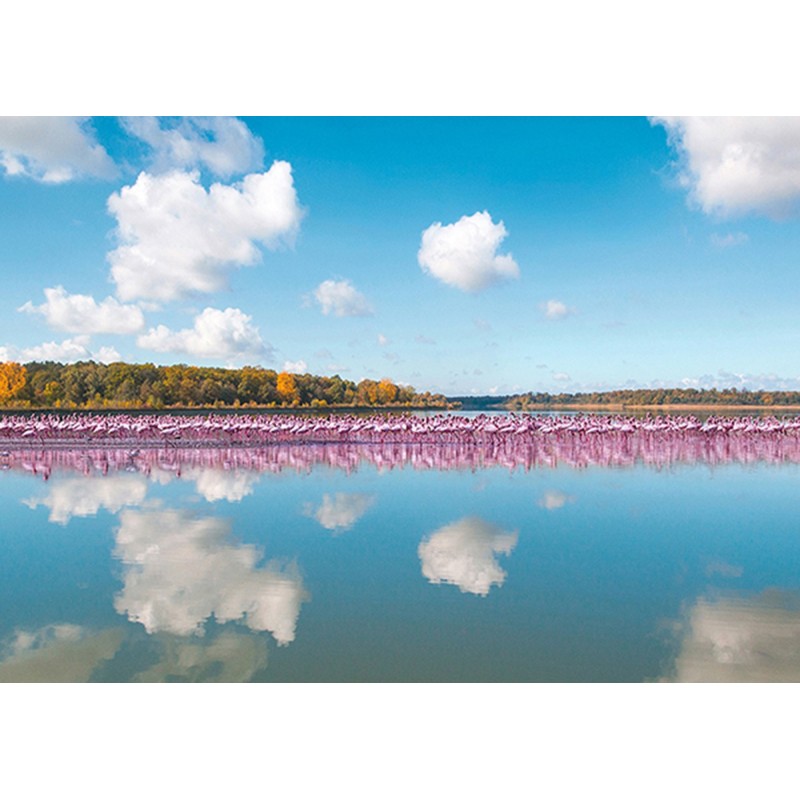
(348, 563)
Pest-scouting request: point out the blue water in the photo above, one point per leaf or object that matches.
(635, 574)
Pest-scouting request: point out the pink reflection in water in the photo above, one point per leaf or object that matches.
(657, 447)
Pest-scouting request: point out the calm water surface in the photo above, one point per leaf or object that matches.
(399, 572)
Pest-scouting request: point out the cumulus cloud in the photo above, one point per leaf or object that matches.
(464, 254)
(741, 639)
(383, 340)
(553, 499)
(341, 299)
(60, 653)
(561, 377)
(179, 239)
(297, 367)
(81, 313)
(341, 511)
(736, 165)
(67, 351)
(464, 554)
(222, 145)
(52, 149)
(84, 497)
(555, 309)
(229, 335)
(181, 569)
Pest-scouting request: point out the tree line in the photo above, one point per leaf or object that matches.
(655, 397)
(87, 384)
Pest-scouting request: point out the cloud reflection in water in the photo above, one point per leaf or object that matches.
(84, 497)
(464, 553)
(739, 639)
(341, 511)
(182, 569)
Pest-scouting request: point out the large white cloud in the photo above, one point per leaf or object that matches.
(84, 497)
(66, 351)
(52, 149)
(81, 313)
(735, 165)
(464, 553)
(229, 335)
(465, 255)
(179, 239)
(742, 639)
(223, 145)
(181, 569)
(341, 511)
(342, 299)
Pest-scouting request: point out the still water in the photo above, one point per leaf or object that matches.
(276, 566)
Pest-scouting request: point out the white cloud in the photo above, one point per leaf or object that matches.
(342, 299)
(180, 570)
(553, 499)
(555, 309)
(383, 340)
(741, 640)
(298, 367)
(741, 380)
(81, 313)
(221, 484)
(106, 355)
(735, 165)
(179, 239)
(52, 149)
(229, 335)
(223, 145)
(561, 377)
(464, 254)
(341, 511)
(729, 239)
(84, 497)
(67, 351)
(464, 553)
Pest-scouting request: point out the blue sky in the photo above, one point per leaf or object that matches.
(462, 255)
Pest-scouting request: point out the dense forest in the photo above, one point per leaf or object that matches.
(120, 385)
(653, 397)
(87, 384)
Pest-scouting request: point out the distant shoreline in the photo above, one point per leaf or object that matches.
(652, 407)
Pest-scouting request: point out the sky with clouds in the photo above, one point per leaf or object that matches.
(461, 255)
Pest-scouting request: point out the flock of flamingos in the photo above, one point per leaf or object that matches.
(270, 442)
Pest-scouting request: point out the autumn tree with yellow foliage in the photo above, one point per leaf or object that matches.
(287, 387)
(12, 380)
